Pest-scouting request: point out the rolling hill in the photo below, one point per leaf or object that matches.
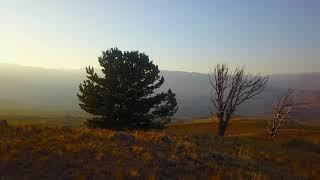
(38, 90)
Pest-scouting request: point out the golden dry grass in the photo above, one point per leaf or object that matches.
(249, 127)
(182, 151)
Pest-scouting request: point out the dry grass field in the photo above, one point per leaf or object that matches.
(182, 151)
(246, 127)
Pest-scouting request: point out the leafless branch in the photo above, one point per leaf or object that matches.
(282, 113)
(231, 89)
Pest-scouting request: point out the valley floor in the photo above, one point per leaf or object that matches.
(182, 151)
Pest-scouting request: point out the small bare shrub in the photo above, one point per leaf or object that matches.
(282, 113)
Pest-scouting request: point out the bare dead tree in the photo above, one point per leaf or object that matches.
(282, 113)
(231, 89)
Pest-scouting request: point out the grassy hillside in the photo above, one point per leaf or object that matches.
(250, 127)
(70, 119)
(183, 151)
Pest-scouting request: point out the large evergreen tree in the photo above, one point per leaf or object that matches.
(127, 96)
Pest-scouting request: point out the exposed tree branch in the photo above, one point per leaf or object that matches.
(282, 113)
(231, 89)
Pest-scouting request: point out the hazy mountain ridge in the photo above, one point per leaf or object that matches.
(50, 90)
(305, 81)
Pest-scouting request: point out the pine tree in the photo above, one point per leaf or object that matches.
(127, 96)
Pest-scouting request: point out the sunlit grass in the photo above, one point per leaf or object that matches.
(37, 152)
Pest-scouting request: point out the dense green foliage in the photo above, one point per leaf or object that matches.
(127, 96)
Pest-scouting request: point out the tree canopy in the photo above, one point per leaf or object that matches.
(126, 94)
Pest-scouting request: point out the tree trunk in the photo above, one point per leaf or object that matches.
(222, 127)
(273, 136)
(221, 131)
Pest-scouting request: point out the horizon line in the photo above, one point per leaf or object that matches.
(82, 68)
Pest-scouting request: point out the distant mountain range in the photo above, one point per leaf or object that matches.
(39, 90)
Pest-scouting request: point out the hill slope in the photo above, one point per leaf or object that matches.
(34, 152)
(38, 90)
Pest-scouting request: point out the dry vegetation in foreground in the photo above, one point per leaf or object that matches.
(183, 151)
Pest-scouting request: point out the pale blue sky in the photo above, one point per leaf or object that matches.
(270, 36)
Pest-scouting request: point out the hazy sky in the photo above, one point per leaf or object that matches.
(270, 36)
